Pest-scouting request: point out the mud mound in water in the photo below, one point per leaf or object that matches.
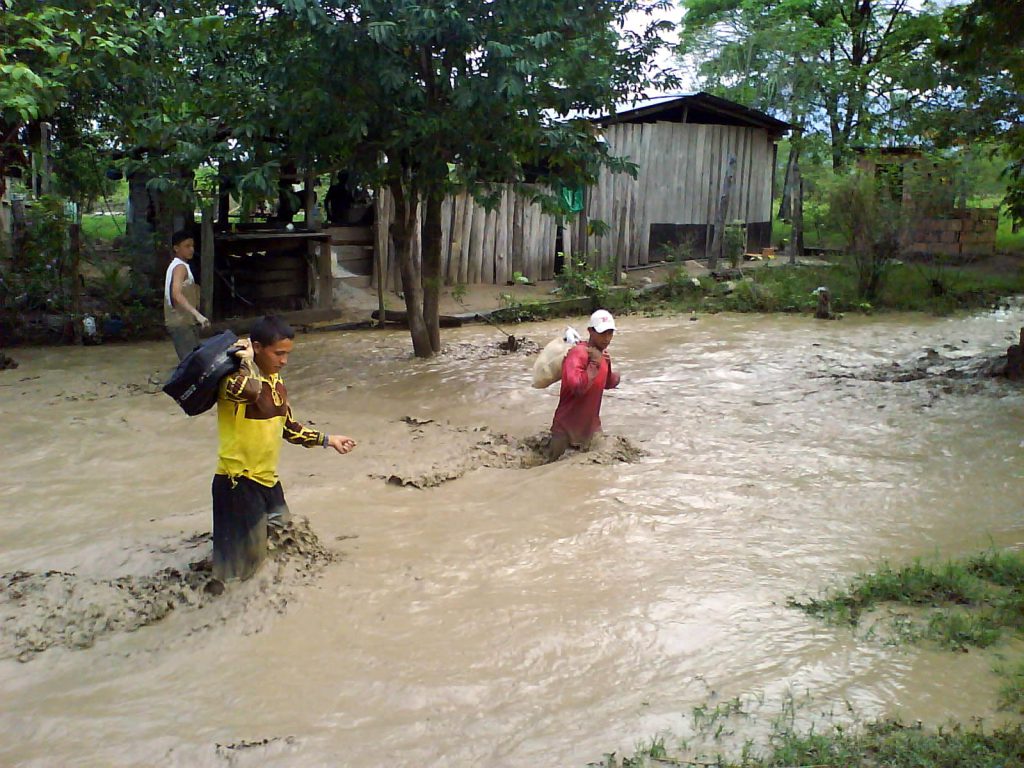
(606, 449)
(513, 345)
(951, 369)
(443, 453)
(934, 364)
(55, 608)
(295, 545)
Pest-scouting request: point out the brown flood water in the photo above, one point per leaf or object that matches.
(508, 616)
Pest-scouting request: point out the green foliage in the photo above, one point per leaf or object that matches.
(897, 746)
(825, 743)
(579, 278)
(680, 285)
(870, 223)
(984, 79)
(978, 598)
(998, 566)
(734, 242)
(941, 288)
(782, 288)
(115, 288)
(38, 278)
(50, 48)
(856, 70)
(104, 227)
(1011, 692)
(519, 311)
(55, 58)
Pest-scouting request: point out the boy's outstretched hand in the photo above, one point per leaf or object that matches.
(340, 443)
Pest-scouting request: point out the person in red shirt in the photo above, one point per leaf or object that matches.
(586, 374)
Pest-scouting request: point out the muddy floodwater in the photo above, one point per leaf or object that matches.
(452, 601)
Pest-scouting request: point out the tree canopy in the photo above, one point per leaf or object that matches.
(439, 95)
(985, 80)
(854, 70)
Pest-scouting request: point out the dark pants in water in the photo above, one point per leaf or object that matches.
(185, 338)
(241, 510)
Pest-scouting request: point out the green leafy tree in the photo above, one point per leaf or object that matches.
(853, 69)
(49, 53)
(484, 87)
(985, 56)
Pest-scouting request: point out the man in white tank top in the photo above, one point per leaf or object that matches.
(182, 317)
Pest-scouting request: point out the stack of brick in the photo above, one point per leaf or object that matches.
(968, 232)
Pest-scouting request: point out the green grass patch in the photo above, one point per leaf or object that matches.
(942, 288)
(888, 743)
(1011, 692)
(1006, 239)
(894, 745)
(103, 226)
(933, 288)
(970, 602)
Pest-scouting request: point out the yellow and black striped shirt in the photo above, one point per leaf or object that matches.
(253, 414)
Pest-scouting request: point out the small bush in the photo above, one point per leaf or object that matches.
(579, 279)
(39, 279)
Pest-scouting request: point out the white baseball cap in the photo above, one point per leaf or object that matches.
(602, 321)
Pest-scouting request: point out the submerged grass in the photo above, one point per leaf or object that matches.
(971, 601)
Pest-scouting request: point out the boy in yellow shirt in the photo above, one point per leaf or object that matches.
(253, 415)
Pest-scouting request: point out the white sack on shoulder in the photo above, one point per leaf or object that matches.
(547, 369)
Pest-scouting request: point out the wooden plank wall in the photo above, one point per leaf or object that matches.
(679, 178)
(481, 246)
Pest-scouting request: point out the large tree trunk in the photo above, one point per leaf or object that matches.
(431, 239)
(402, 231)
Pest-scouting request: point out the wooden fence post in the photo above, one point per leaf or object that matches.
(380, 224)
(75, 231)
(206, 266)
(723, 208)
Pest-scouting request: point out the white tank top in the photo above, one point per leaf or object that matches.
(189, 280)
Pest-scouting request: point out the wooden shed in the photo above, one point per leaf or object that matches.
(681, 145)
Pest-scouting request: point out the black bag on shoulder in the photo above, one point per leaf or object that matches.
(194, 383)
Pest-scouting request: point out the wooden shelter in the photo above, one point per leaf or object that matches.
(682, 146)
(244, 269)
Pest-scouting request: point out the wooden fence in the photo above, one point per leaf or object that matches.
(681, 166)
(477, 245)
